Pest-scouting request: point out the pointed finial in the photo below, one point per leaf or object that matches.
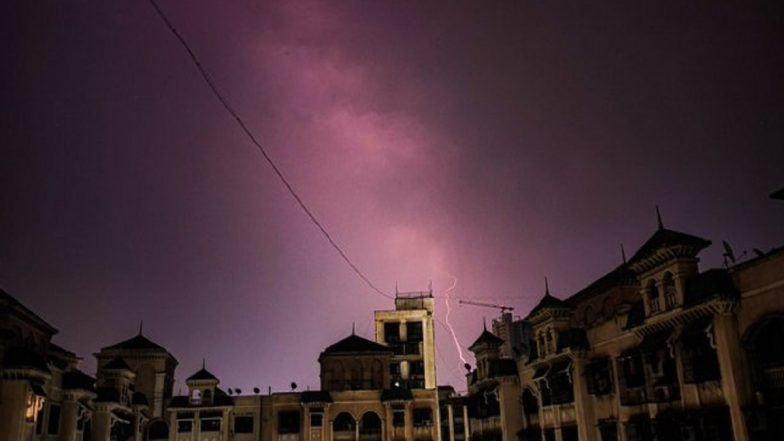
(484, 323)
(546, 287)
(430, 286)
(396, 291)
(204, 363)
(141, 326)
(353, 327)
(658, 218)
(623, 254)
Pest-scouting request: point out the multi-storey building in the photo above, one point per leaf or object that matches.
(370, 390)
(654, 350)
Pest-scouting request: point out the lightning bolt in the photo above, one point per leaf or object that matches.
(447, 296)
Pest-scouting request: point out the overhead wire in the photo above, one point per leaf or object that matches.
(214, 88)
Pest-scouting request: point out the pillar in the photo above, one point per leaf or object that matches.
(582, 401)
(13, 408)
(734, 374)
(69, 413)
(102, 424)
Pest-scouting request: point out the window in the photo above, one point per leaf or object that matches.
(600, 377)
(243, 424)
(417, 368)
(530, 404)
(391, 332)
(288, 422)
(316, 419)
(549, 340)
(195, 396)
(653, 297)
(608, 430)
(158, 430)
(398, 417)
(669, 290)
(700, 362)
(370, 424)
(184, 426)
(206, 397)
(414, 332)
(53, 426)
(423, 417)
(344, 422)
(210, 425)
(39, 421)
(569, 433)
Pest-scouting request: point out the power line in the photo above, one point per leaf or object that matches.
(261, 149)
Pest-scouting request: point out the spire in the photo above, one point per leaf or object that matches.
(658, 218)
(141, 326)
(623, 254)
(546, 287)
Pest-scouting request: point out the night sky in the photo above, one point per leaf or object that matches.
(489, 143)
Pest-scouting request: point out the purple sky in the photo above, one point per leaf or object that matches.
(496, 143)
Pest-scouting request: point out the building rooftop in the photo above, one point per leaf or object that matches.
(137, 342)
(355, 343)
(486, 338)
(202, 374)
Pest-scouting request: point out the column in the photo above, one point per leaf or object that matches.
(582, 400)
(13, 407)
(734, 374)
(68, 415)
(409, 421)
(450, 414)
(102, 423)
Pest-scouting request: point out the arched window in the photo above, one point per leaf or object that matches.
(344, 422)
(370, 424)
(195, 396)
(549, 338)
(668, 283)
(540, 344)
(653, 297)
(158, 430)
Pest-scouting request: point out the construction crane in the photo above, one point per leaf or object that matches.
(503, 308)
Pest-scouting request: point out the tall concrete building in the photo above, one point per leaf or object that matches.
(408, 331)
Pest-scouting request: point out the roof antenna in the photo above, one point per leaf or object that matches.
(658, 218)
(141, 325)
(546, 287)
(623, 254)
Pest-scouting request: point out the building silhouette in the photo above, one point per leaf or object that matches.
(656, 349)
